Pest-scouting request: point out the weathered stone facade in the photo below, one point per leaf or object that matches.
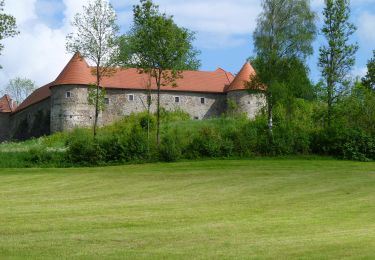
(72, 110)
(63, 104)
(4, 126)
(63, 111)
(33, 121)
(247, 103)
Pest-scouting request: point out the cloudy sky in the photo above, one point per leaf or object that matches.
(224, 29)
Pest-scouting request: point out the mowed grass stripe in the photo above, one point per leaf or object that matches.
(305, 209)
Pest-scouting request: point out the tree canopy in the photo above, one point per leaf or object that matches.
(156, 45)
(8, 27)
(369, 79)
(20, 88)
(337, 56)
(282, 40)
(96, 39)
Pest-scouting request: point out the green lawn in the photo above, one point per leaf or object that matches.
(276, 209)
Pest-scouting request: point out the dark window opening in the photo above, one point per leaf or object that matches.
(177, 99)
(68, 94)
(203, 100)
(106, 101)
(131, 97)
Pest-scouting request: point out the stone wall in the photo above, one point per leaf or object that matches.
(71, 111)
(34, 121)
(247, 103)
(4, 126)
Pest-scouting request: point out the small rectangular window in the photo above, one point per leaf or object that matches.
(131, 97)
(196, 118)
(177, 99)
(106, 101)
(68, 94)
(203, 100)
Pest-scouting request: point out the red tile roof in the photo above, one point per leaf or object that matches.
(37, 96)
(239, 82)
(78, 72)
(6, 104)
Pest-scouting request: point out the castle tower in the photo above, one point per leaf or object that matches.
(69, 105)
(240, 99)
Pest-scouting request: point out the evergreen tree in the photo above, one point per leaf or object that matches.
(369, 80)
(337, 57)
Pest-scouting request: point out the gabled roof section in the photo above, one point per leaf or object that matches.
(77, 71)
(37, 96)
(239, 82)
(6, 104)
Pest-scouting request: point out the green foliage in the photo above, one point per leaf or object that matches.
(369, 79)
(173, 116)
(170, 148)
(299, 130)
(337, 56)
(96, 94)
(96, 35)
(83, 149)
(232, 107)
(158, 47)
(39, 156)
(282, 40)
(142, 47)
(96, 39)
(8, 27)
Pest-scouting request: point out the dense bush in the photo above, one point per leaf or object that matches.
(299, 128)
(83, 149)
(170, 149)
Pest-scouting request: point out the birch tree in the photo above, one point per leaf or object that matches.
(95, 38)
(285, 32)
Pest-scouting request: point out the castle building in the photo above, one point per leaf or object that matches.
(62, 105)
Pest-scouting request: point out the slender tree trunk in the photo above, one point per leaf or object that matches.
(158, 115)
(148, 115)
(270, 114)
(96, 101)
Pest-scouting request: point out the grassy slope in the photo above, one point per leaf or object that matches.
(211, 209)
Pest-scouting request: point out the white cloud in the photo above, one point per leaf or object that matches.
(366, 27)
(39, 51)
(360, 71)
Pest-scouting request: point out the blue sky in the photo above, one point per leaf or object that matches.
(224, 33)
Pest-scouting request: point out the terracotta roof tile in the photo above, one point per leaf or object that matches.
(6, 104)
(78, 72)
(239, 82)
(37, 96)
